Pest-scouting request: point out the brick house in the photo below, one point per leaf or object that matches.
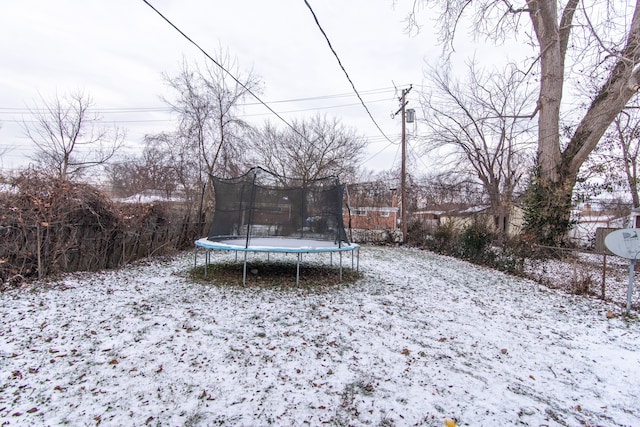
(373, 217)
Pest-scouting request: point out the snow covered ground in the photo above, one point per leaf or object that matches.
(579, 272)
(421, 338)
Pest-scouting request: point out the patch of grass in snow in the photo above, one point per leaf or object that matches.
(631, 319)
(275, 274)
(193, 420)
(352, 402)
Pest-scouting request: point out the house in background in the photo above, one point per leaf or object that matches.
(372, 215)
(374, 218)
(463, 218)
(583, 233)
(430, 219)
(587, 221)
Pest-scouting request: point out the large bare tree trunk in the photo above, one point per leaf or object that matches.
(544, 17)
(558, 170)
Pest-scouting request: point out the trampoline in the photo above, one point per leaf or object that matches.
(261, 211)
(280, 245)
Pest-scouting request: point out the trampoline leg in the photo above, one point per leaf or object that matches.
(341, 266)
(195, 258)
(331, 259)
(244, 269)
(298, 272)
(206, 262)
(358, 261)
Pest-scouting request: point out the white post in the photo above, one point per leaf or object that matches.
(632, 263)
(625, 243)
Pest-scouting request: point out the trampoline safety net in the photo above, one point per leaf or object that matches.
(263, 204)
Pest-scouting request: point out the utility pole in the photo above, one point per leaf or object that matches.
(403, 168)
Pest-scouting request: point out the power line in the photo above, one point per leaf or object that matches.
(157, 109)
(313, 109)
(378, 153)
(114, 121)
(106, 110)
(249, 91)
(320, 97)
(417, 157)
(170, 120)
(343, 69)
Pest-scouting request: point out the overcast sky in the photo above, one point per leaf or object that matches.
(116, 51)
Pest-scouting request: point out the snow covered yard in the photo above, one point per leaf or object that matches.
(421, 338)
(582, 273)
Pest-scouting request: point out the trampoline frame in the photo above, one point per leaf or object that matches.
(297, 246)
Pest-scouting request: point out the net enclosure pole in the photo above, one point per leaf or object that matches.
(200, 224)
(252, 202)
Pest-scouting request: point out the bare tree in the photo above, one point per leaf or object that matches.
(445, 191)
(599, 41)
(320, 146)
(154, 170)
(69, 136)
(123, 176)
(476, 125)
(3, 151)
(627, 128)
(183, 166)
(206, 101)
(614, 166)
(374, 189)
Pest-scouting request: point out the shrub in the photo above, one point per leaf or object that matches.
(49, 225)
(418, 232)
(445, 240)
(475, 243)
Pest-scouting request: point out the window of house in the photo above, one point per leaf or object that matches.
(360, 212)
(384, 214)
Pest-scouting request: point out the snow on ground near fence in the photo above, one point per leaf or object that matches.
(421, 338)
(583, 273)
